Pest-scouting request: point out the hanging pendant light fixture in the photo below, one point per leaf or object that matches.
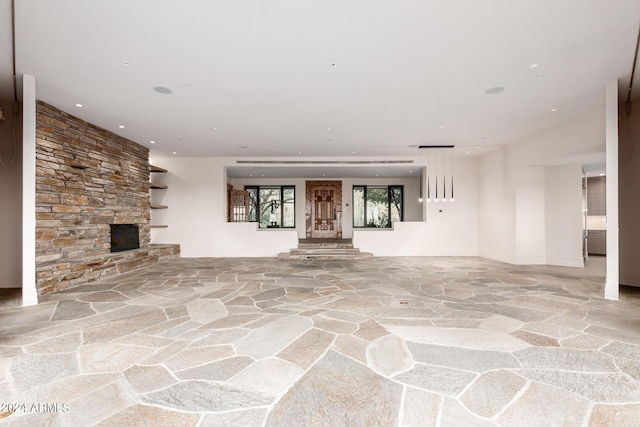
(452, 199)
(440, 149)
(444, 175)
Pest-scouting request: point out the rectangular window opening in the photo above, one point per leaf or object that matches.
(272, 206)
(377, 206)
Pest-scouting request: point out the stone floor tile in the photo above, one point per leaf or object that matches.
(469, 338)
(233, 321)
(35, 370)
(419, 408)
(67, 389)
(565, 358)
(370, 330)
(352, 346)
(144, 379)
(72, 309)
(613, 334)
(491, 392)
(224, 336)
(100, 404)
(615, 415)
(436, 379)
(629, 367)
(535, 339)
(499, 323)
(220, 370)
(103, 296)
(334, 326)
(142, 416)
(339, 391)
(205, 311)
(454, 414)
(619, 349)
(466, 359)
(305, 350)
(164, 353)
(96, 358)
(271, 338)
(605, 388)
(244, 418)
(202, 396)
(191, 357)
(543, 405)
(389, 355)
(270, 376)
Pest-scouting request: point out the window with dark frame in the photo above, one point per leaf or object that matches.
(272, 206)
(377, 206)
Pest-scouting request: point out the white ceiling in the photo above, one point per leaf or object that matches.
(260, 74)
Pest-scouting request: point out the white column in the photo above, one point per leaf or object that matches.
(29, 293)
(612, 283)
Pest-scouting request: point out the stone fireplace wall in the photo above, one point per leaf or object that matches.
(86, 179)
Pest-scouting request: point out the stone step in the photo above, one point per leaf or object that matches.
(324, 256)
(335, 245)
(324, 250)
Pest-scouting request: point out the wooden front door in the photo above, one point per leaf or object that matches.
(324, 209)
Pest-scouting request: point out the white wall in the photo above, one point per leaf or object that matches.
(451, 228)
(523, 217)
(496, 207)
(196, 216)
(10, 200)
(412, 208)
(563, 215)
(530, 215)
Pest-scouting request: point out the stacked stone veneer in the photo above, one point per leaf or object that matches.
(86, 179)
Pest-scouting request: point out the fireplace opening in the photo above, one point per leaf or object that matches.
(124, 237)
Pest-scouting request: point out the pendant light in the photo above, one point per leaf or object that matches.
(440, 150)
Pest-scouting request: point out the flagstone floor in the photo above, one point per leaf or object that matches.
(381, 341)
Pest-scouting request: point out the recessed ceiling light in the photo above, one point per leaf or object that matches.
(175, 152)
(324, 175)
(410, 171)
(441, 127)
(553, 110)
(250, 175)
(299, 153)
(163, 90)
(126, 64)
(79, 105)
(121, 127)
(468, 152)
(477, 146)
(540, 76)
(377, 175)
(534, 65)
(152, 142)
(215, 128)
(328, 128)
(494, 90)
(601, 174)
(262, 174)
(353, 152)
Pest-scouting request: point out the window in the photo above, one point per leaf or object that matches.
(272, 206)
(377, 205)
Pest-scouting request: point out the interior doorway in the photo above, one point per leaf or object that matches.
(323, 209)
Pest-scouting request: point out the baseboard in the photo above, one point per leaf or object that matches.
(565, 261)
(497, 256)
